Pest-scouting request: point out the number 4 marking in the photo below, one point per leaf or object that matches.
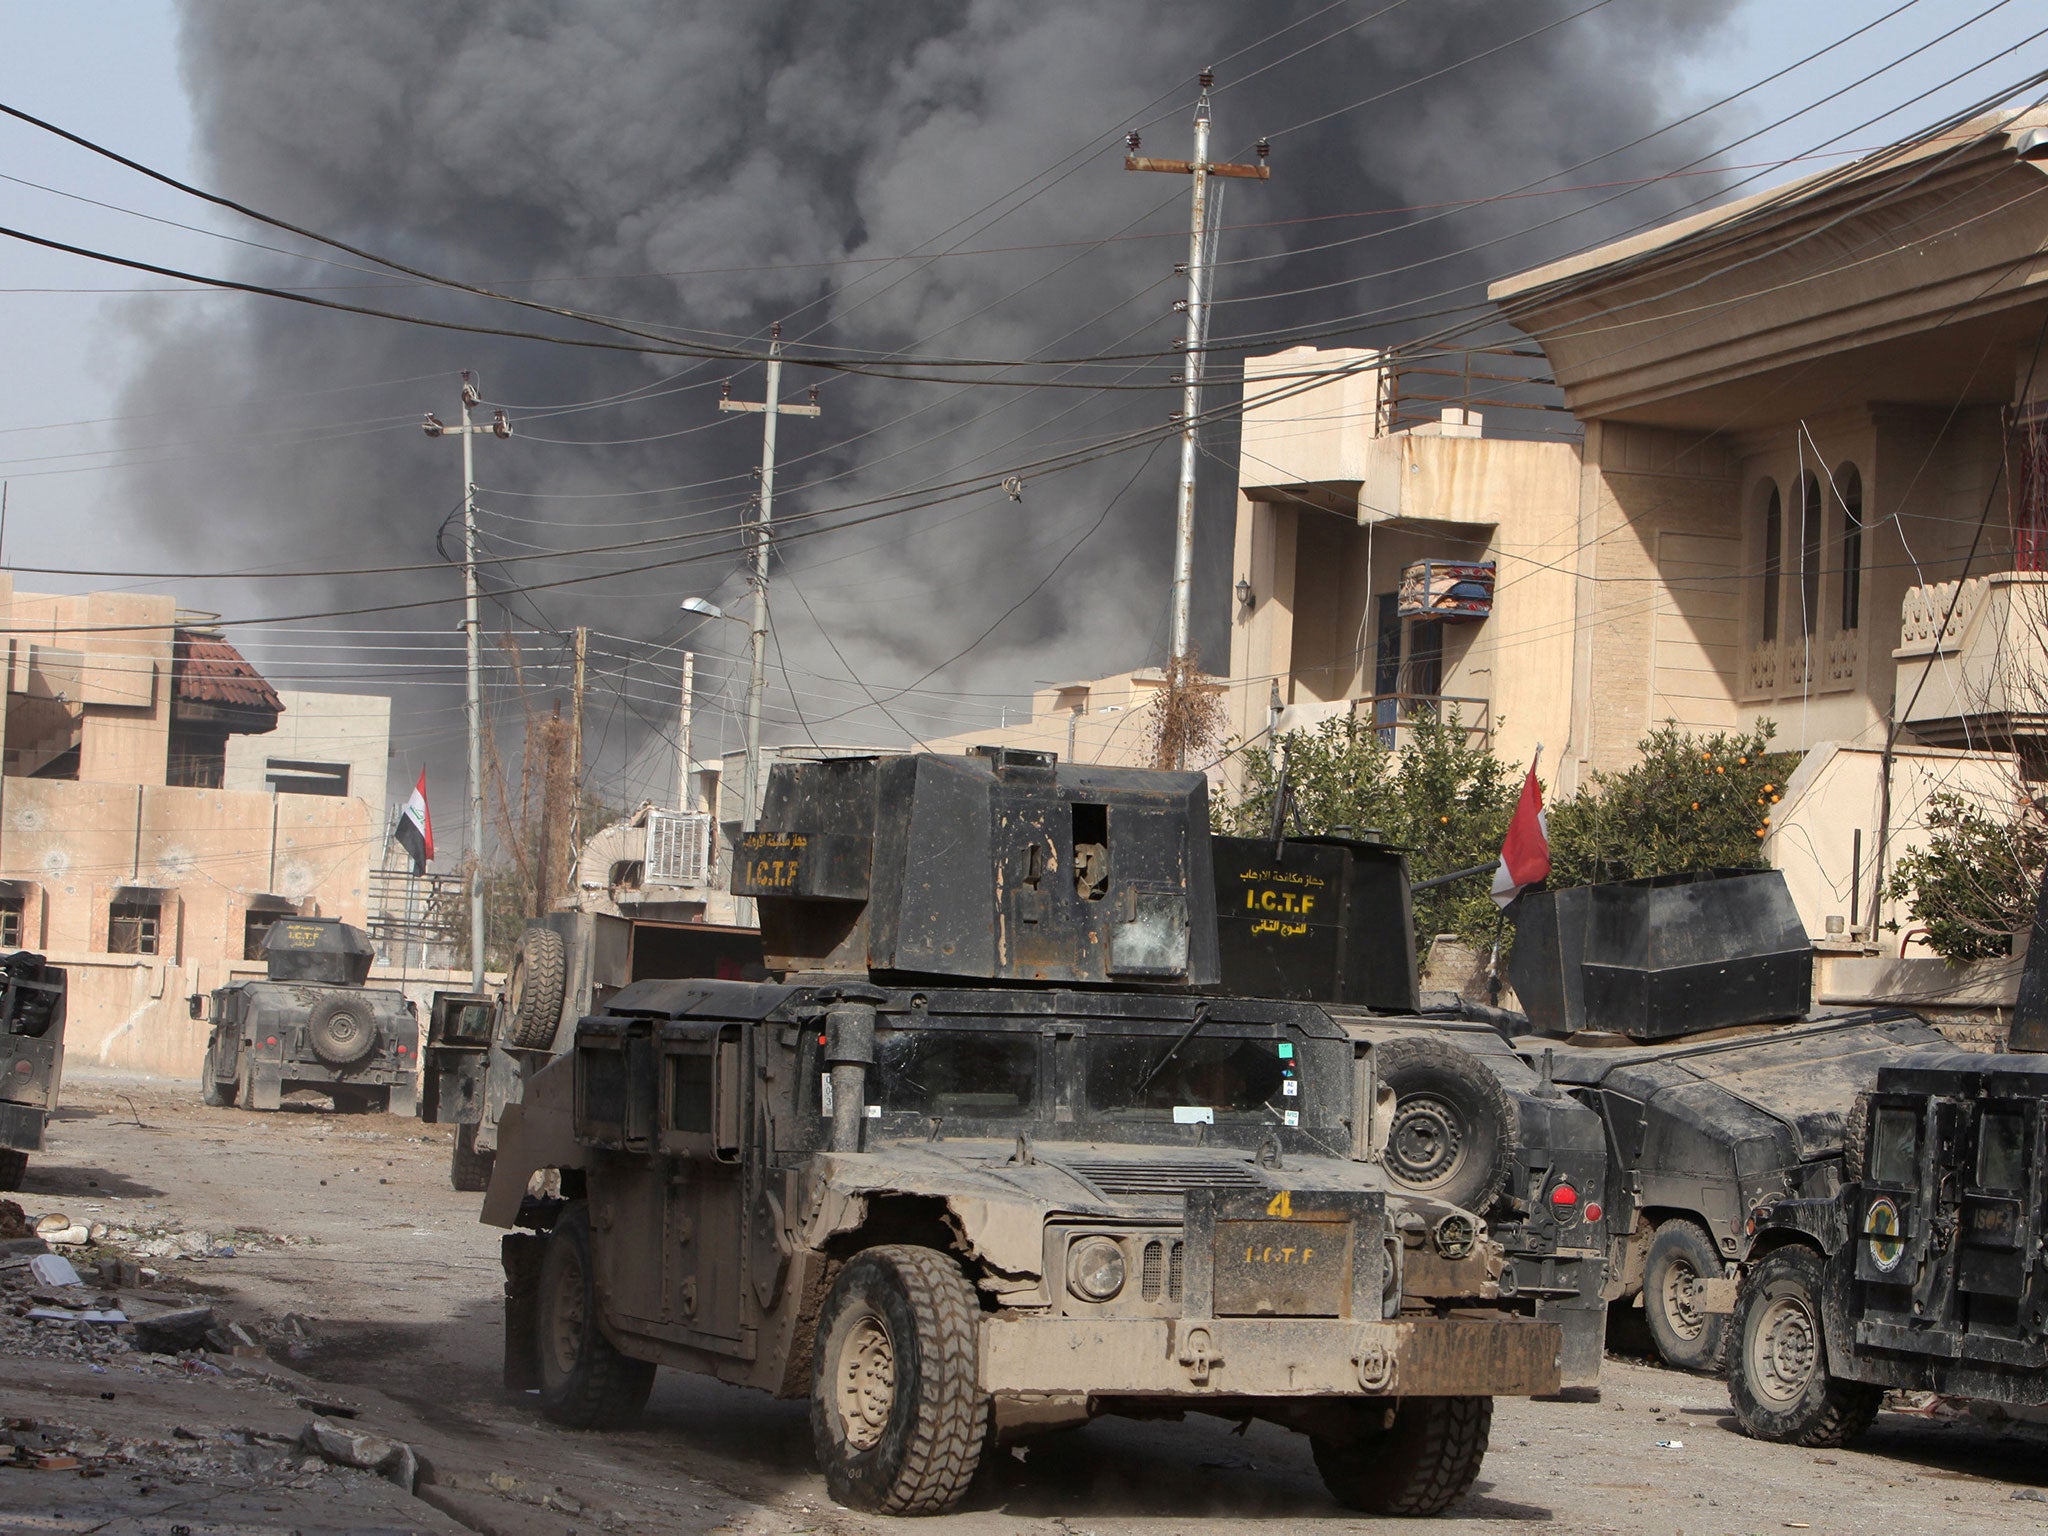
(1281, 1205)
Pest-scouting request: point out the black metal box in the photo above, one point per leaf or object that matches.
(1661, 958)
(1317, 919)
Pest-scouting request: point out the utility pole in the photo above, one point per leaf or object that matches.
(683, 732)
(473, 704)
(771, 408)
(579, 649)
(1196, 306)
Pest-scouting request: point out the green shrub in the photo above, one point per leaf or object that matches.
(1972, 885)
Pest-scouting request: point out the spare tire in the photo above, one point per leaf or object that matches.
(342, 1031)
(535, 989)
(1454, 1126)
(1856, 1139)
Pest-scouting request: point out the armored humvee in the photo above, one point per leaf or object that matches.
(983, 1163)
(312, 1023)
(482, 1047)
(1678, 1009)
(1330, 920)
(31, 1057)
(1927, 1272)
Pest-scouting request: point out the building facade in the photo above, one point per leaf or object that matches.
(148, 835)
(1810, 487)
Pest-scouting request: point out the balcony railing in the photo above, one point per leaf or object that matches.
(1973, 660)
(1393, 714)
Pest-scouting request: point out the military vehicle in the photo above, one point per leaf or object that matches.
(1678, 1009)
(984, 1162)
(1926, 1272)
(313, 1022)
(31, 1057)
(482, 1047)
(1330, 920)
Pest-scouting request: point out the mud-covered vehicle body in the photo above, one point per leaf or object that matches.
(1677, 1009)
(32, 993)
(311, 1023)
(982, 1166)
(483, 1047)
(1928, 1272)
(1330, 919)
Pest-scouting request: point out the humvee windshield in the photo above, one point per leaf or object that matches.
(973, 1073)
(1231, 1078)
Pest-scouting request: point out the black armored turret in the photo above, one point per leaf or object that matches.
(322, 950)
(1002, 866)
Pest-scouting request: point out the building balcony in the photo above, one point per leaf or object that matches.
(1395, 716)
(1973, 662)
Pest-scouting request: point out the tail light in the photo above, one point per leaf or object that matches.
(1564, 1196)
(1594, 1211)
(405, 1050)
(271, 1041)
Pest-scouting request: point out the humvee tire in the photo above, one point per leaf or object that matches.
(1681, 1256)
(212, 1091)
(584, 1382)
(13, 1166)
(1421, 1464)
(338, 1032)
(535, 989)
(1856, 1140)
(896, 1414)
(1778, 1381)
(1455, 1128)
(468, 1169)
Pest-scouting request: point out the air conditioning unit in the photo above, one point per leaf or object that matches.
(678, 848)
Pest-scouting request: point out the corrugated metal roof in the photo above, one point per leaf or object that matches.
(205, 669)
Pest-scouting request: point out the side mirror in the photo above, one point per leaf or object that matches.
(196, 1005)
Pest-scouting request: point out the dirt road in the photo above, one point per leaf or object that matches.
(398, 1289)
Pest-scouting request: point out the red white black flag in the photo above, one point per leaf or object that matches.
(1525, 852)
(415, 830)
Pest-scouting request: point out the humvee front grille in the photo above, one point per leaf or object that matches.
(1165, 1178)
(1159, 1276)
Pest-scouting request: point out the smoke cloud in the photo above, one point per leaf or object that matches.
(716, 167)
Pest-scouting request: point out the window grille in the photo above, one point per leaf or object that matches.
(134, 927)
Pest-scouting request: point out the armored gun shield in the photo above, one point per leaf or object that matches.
(998, 866)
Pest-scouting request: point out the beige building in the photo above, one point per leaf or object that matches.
(1801, 414)
(154, 818)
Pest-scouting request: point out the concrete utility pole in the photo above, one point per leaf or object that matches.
(1196, 305)
(580, 651)
(473, 704)
(771, 408)
(683, 732)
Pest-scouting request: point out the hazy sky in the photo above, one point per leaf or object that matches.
(112, 72)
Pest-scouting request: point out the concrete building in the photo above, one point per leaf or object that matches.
(147, 837)
(1812, 488)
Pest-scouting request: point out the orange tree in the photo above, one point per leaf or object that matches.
(1690, 803)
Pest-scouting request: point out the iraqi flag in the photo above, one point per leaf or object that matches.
(1525, 852)
(415, 830)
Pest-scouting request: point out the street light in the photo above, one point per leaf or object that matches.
(708, 610)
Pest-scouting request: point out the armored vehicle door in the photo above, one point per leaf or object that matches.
(666, 1094)
(1998, 1267)
(702, 1078)
(1908, 1210)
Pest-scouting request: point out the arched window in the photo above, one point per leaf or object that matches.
(1849, 487)
(1811, 512)
(1770, 566)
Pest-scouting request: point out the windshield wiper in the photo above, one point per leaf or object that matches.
(1201, 1018)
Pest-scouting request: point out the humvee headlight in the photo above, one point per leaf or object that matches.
(1457, 1235)
(1095, 1268)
